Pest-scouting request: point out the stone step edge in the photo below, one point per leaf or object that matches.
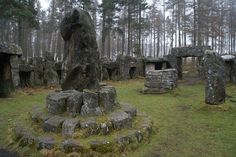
(98, 129)
(26, 138)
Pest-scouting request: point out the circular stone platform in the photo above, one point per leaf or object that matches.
(88, 122)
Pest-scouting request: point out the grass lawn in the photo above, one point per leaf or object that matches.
(184, 125)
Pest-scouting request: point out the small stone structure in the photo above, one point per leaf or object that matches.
(85, 121)
(177, 54)
(81, 63)
(125, 67)
(9, 68)
(230, 67)
(160, 81)
(26, 74)
(160, 63)
(39, 72)
(215, 79)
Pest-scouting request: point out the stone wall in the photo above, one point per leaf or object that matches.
(160, 81)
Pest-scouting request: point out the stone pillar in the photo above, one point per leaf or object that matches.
(179, 66)
(14, 61)
(81, 62)
(215, 79)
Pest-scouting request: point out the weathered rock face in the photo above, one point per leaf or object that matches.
(37, 63)
(43, 71)
(81, 63)
(91, 106)
(215, 79)
(9, 68)
(160, 81)
(50, 74)
(125, 67)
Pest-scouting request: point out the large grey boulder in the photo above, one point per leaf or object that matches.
(215, 79)
(81, 63)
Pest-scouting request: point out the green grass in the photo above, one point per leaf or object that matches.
(184, 125)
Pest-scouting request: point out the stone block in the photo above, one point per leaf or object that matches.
(74, 103)
(69, 126)
(70, 145)
(90, 106)
(120, 120)
(129, 109)
(53, 124)
(107, 98)
(56, 102)
(46, 143)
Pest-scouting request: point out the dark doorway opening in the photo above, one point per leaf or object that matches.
(132, 72)
(6, 82)
(109, 73)
(24, 79)
(158, 66)
(59, 73)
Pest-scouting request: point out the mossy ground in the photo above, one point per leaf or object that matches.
(184, 125)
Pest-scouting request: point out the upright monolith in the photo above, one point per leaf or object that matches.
(215, 79)
(81, 63)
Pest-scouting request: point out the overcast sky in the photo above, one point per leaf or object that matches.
(45, 3)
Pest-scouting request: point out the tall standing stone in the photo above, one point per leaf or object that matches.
(81, 63)
(215, 79)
